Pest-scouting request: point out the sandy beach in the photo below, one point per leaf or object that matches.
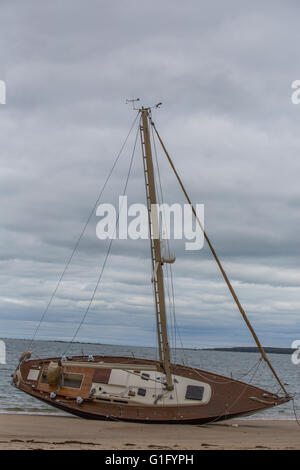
(56, 432)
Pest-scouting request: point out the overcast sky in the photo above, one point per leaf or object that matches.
(223, 71)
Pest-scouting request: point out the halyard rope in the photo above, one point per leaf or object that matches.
(82, 233)
(108, 251)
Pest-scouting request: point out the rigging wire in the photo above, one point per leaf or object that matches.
(172, 303)
(241, 394)
(161, 200)
(232, 380)
(108, 251)
(82, 232)
(248, 384)
(294, 409)
(225, 277)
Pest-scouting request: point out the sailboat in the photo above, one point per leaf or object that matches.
(144, 390)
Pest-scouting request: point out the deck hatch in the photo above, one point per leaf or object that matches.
(194, 392)
(101, 376)
(72, 380)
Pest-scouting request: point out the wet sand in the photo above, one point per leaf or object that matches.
(60, 432)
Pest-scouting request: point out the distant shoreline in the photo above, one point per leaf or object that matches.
(252, 349)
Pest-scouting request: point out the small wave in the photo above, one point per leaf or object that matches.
(32, 411)
(40, 412)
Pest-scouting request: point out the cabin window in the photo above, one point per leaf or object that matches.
(71, 380)
(145, 376)
(194, 392)
(33, 374)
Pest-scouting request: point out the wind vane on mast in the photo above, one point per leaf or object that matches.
(133, 100)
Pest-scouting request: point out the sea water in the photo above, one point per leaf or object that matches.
(239, 365)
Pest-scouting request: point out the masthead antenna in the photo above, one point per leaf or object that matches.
(133, 102)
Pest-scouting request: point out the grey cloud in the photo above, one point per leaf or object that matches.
(224, 73)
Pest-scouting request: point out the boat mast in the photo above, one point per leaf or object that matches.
(155, 248)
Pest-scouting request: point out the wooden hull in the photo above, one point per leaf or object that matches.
(224, 398)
